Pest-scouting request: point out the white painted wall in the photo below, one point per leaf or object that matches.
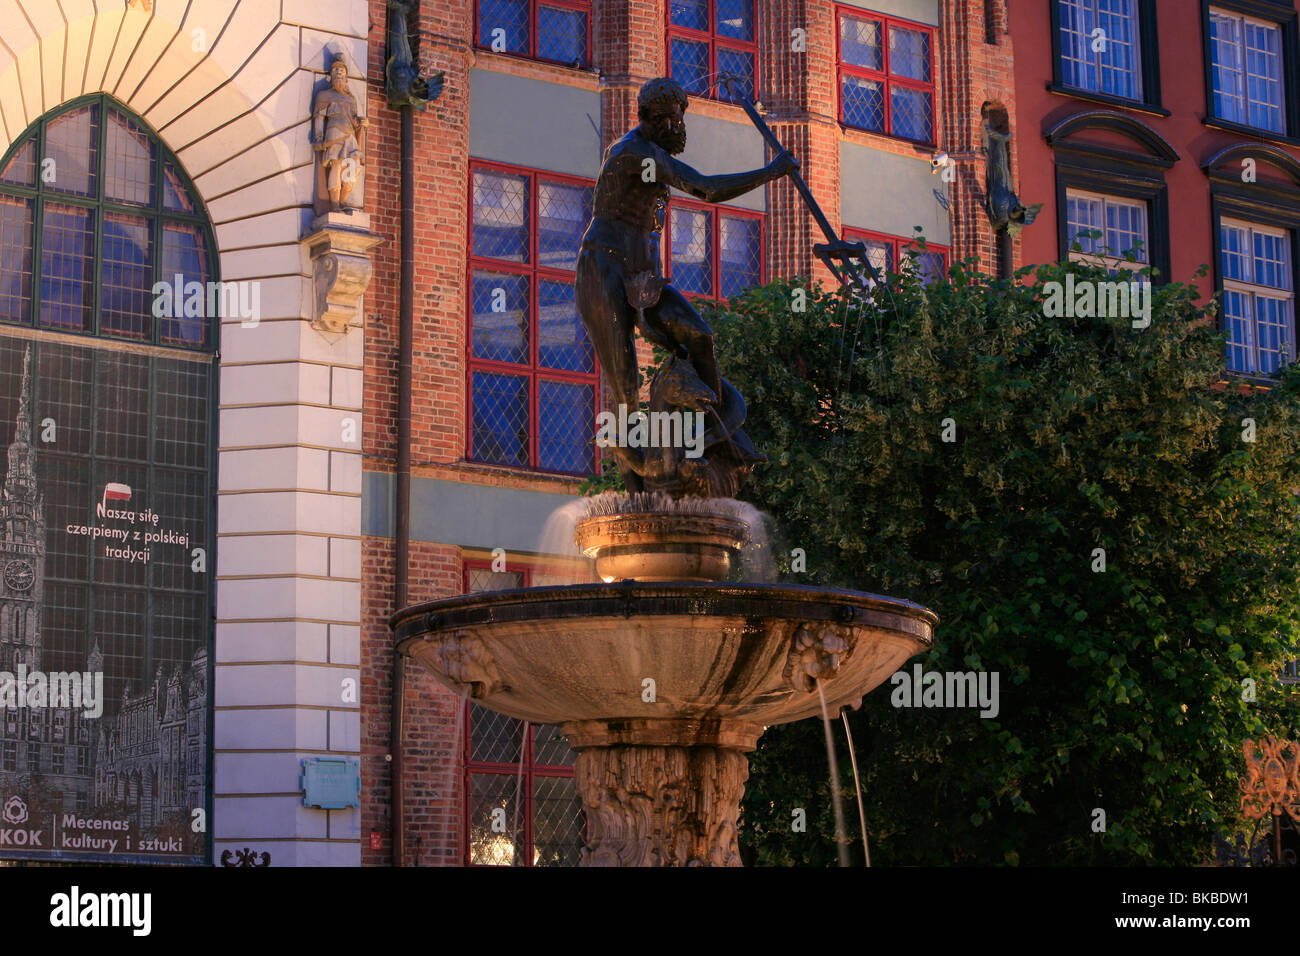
(227, 84)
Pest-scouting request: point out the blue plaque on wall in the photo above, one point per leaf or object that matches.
(331, 783)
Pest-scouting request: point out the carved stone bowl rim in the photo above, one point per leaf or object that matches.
(627, 598)
(597, 533)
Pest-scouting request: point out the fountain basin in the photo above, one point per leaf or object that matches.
(654, 664)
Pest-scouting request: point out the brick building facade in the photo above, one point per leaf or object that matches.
(1172, 127)
(516, 125)
(839, 84)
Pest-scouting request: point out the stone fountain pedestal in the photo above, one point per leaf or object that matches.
(662, 687)
(662, 804)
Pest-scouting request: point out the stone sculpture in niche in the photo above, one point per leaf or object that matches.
(338, 134)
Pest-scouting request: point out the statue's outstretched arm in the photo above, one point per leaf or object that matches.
(719, 188)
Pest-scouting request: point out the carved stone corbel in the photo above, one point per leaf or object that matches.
(341, 273)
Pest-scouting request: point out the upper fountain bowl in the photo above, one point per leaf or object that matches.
(654, 537)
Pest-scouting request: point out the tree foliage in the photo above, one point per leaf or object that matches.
(1120, 690)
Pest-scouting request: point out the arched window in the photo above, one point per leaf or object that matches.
(94, 204)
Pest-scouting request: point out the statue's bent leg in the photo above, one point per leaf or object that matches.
(676, 318)
(610, 323)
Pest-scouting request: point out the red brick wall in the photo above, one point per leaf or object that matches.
(432, 813)
(441, 170)
(798, 88)
(437, 429)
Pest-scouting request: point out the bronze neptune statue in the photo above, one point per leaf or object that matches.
(620, 288)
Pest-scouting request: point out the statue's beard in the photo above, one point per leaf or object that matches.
(671, 139)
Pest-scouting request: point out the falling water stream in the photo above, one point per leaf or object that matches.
(841, 833)
(557, 535)
(857, 785)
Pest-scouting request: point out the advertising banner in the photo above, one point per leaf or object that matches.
(105, 602)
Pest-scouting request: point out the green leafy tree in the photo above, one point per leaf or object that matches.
(1072, 439)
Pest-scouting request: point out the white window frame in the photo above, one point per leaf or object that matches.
(1111, 261)
(1066, 40)
(1242, 94)
(1255, 290)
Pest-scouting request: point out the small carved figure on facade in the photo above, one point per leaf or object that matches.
(1004, 208)
(406, 87)
(337, 133)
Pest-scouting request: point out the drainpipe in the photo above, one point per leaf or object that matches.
(405, 337)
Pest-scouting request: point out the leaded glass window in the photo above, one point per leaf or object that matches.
(894, 254)
(714, 251)
(711, 37)
(532, 369)
(886, 76)
(555, 30)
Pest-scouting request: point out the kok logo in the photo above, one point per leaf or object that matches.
(15, 811)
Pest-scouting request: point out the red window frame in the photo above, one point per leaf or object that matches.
(898, 245)
(582, 6)
(715, 210)
(711, 37)
(885, 77)
(536, 273)
(531, 770)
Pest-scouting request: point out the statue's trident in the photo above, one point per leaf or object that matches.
(851, 256)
